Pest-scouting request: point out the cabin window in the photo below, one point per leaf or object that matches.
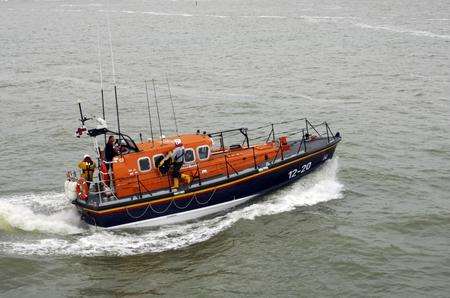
(157, 159)
(144, 164)
(189, 155)
(203, 152)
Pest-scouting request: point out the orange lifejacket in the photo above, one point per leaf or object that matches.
(82, 188)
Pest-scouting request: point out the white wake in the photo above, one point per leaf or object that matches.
(318, 187)
(45, 213)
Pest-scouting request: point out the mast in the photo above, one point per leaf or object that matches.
(157, 111)
(113, 73)
(101, 75)
(173, 108)
(82, 117)
(149, 115)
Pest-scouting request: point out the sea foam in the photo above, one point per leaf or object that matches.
(318, 187)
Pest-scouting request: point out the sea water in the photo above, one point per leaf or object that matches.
(374, 221)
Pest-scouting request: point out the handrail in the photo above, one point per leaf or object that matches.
(322, 129)
(231, 166)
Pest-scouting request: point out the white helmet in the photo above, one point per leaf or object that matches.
(178, 143)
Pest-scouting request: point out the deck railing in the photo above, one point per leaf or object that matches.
(228, 167)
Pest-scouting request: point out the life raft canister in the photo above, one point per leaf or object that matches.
(82, 188)
(105, 175)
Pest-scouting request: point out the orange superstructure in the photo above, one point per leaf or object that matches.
(137, 172)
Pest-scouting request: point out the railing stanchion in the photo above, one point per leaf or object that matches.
(245, 133)
(99, 189)
(170, 184)
(222, 144)
(226, 165)
(306, 126)
(276, 155)
(199, 178)
(254, 157)
(273, 133)
(304, 140)
(328, 136)
(139, 186)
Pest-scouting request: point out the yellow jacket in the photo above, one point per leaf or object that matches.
(87, 170)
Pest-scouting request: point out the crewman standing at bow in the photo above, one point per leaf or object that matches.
(87, 166)
(110, 151)
(177, 160)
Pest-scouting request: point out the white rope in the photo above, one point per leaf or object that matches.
(187, 205)
(145, 211)
(106, 190)
(210, 197)
(160, 212)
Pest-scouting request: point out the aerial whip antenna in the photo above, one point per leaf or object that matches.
(113, 73)
(149, 115)
(83, 118)
(101, 74)
(79, 132)
(157, 110)
(100, 71)
(173, 108)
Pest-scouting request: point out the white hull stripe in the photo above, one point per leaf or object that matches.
(184, 216)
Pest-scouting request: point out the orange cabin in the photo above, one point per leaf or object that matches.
(137, 172)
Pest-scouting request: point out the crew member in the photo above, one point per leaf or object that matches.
(123, 149)
(87, 166)
(110, 151)
(176, 158)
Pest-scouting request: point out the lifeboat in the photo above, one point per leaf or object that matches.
(226, 169)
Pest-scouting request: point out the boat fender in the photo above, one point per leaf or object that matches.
(66, 188)
(72, 193)
(70, 189)
(82, 189)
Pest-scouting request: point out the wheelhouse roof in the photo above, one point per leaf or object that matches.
(167, 144)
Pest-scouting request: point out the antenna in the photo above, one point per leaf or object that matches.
(157, 110)
(173, 108)
(100, 71)
(83, 118)
(113, 72)
(110, 45)
(149, 115)
(101, 74)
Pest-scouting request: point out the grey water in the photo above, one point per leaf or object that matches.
(375, 221)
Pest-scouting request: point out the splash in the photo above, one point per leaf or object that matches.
(44, 213)
(318, 187)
